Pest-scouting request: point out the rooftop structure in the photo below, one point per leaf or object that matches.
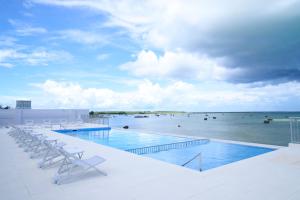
(23, 104)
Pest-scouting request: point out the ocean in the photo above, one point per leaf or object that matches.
(243, 126)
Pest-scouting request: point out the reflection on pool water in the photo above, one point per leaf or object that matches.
(213, 153)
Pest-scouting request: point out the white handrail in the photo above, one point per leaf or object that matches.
(294, 129)
(199, 155)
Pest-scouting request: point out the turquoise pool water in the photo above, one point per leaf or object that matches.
(122, 139)
(213, 154)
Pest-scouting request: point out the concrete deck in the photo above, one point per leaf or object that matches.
(274, 175)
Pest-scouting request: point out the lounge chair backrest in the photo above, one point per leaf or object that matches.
(28, 122)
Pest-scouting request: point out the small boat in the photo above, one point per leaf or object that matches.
(266, 121)
(141, 116)
(126, 127)
(214, 117)
(205, 118)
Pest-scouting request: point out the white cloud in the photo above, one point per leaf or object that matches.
(178, 64)
(174, 96)
(7, 65)
(7, 41)
(83, 37)
(26, 29)
(243, 31)
(6, 55)
(31, 30)
(44, 57)
(103, 56)
(171, 23)
(12, 57)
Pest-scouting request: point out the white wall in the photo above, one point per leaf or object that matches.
(19, 116)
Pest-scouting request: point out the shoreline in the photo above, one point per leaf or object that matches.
(179, 112)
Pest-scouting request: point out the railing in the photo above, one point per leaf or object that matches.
(97, 120)
(294, 129)
(103, 134)
(61, 126)
(199, 156)
(166, 147)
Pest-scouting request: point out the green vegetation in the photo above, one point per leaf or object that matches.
(134, 112)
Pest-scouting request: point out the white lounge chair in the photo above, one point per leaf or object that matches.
(35, 143)
(29, 122)
(52, 154)
(47, 123)
(42, 147)
(74, 164)
(26, 138)
(14, 131)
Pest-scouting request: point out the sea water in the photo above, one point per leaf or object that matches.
(247, 127)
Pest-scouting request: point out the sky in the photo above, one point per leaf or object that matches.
(193, 55)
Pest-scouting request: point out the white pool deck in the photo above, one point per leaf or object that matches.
(274, 175)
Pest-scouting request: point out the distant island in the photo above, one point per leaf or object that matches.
(95, 113)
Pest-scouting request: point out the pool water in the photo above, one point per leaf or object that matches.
(123, 139)
(213, 153)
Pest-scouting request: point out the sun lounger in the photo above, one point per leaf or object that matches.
(52, 154)
(35, 143)
(53, 151)
(73, 164)
(41, 148)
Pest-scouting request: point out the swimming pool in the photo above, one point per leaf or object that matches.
(122, 139)
(213, 153)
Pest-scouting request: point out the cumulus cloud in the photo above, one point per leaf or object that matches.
(262, 37)
(178, 65)
(177, 95)
(65, 94)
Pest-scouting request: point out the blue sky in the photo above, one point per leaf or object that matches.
(151, 55)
